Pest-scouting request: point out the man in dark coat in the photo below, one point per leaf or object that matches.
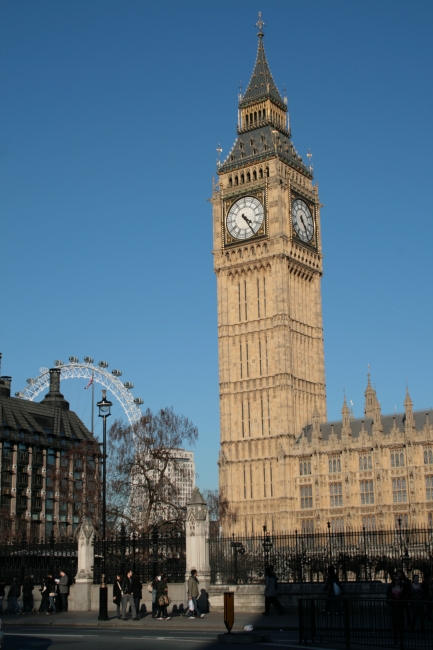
(13, 595)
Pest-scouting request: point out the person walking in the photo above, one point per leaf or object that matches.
(13, 595)
(162, 598)
(417, 603)
(271, 586)
(2, 593)
(51, 586)
(45, 603)
(28, 586)
(137, 593)
(117, 593)
(193, 594)
(394, 595)
(64, 590)
(154, 595)
(127, 597)
(333, 589)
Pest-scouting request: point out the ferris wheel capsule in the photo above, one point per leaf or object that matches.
(138, 401)
(29, 380)
(88, 359)
(128, 385)
(74, 359)
(116, 373)
(58, 363)
(103, 364)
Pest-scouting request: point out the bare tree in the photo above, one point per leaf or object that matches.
(220, 511)
(145, 469)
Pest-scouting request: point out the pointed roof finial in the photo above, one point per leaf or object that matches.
(260, 24)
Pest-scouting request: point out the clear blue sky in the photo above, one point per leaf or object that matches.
(110, 115)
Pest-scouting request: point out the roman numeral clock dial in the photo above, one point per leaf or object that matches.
(302, 221)
(245, 217)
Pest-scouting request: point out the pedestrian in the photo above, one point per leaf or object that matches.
(193, 593)
(271, 587)
(154, 592)
(45, 602)
(417, 603)
(394, 597)
(162, 598)
(51, 586)
(117, 593)
(127, 597)
(137, 593)
(28, 586)
(64, 590)
(13, 595)
(333, 590)
(2, 593)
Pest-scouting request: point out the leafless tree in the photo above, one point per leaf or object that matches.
(144, 470)
(220, 511)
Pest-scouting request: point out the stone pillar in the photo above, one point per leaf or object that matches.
(86, 557)
(197, 546)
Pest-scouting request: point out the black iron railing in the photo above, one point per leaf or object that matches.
(357, 555)
(19, 557)
(378, 623)
(146, 554)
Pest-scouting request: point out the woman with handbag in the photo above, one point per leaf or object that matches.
(51, 586)
(162, 598)
(117, 593)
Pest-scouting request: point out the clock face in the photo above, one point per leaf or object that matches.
(245, 217)
(302, 220)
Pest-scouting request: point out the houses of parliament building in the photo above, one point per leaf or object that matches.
(282, 464)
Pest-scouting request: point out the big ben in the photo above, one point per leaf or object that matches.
(268, 264)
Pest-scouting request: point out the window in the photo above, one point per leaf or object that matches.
(334, 464)
(429, 488)
(365, 462)
(336, 493)
(367, 494)
(307, 526)
(399, 493)
(430, 519)
(306, 496)
(428, 456)
(397, 458)
(305, 468)
(403, 520)
(337, 525)
(369, 523)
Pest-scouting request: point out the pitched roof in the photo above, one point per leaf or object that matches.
(366, 424)
(258, 144)
(261, 83)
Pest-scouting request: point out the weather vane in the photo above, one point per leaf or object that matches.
(260, 24)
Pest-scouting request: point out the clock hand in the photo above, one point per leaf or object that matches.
(303, 223)
(249, 222)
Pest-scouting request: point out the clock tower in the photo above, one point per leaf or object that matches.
(268, 263)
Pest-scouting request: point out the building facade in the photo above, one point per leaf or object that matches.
(268, 263)
(49, 464)
(281, 463)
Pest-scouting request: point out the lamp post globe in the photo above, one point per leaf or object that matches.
(104, 407)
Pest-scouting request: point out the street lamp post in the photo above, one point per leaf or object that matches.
(104, 412)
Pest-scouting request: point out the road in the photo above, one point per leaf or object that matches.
(41, 638)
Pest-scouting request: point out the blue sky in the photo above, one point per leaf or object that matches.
(110, 115)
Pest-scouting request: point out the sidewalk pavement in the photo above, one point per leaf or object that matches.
(213, 621)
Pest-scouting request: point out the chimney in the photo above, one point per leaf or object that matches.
(54, 396)
(5, 386)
